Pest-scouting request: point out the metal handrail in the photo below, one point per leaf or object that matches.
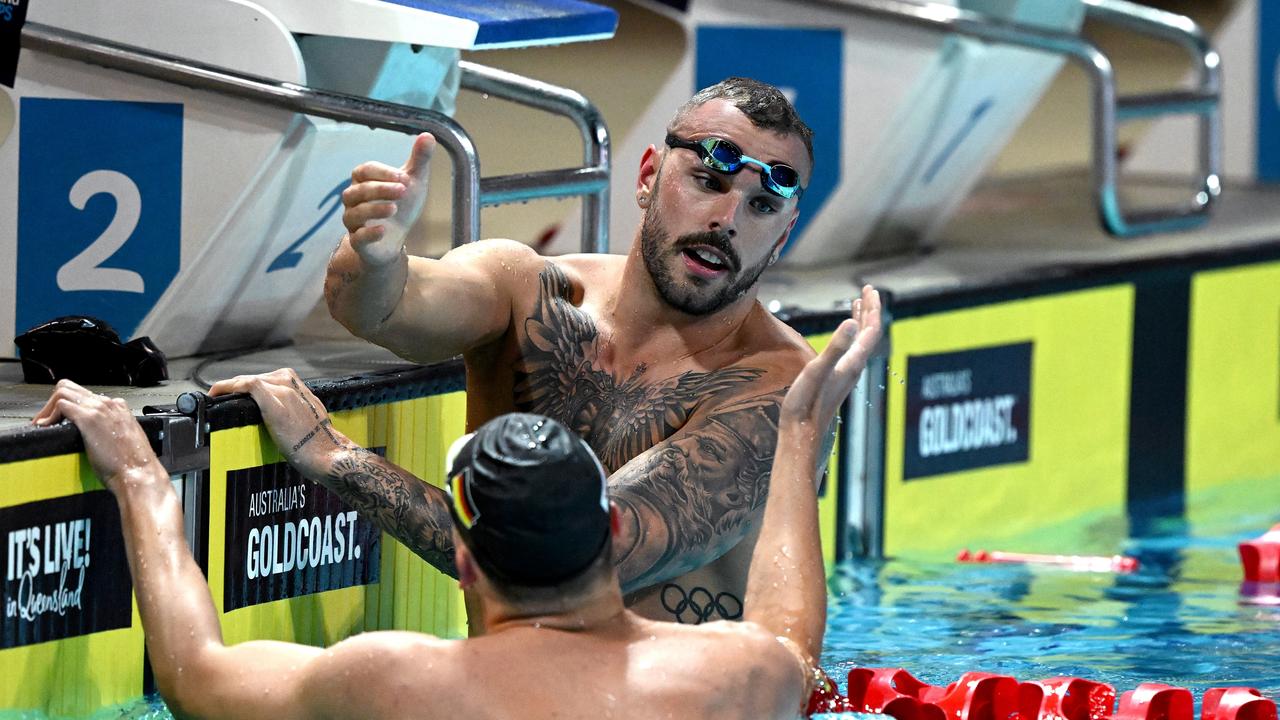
(467, 182)
(1204, 101)
(1108, 108)
(591, 180)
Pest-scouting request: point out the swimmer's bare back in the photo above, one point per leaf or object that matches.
(630, 669)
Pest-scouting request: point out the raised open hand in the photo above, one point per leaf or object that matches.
(827, 380)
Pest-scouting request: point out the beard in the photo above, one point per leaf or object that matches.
(695, 296)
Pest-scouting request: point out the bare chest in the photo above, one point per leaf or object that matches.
(562, 366)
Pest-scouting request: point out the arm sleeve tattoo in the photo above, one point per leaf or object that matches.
(690, 498)
(410, 510)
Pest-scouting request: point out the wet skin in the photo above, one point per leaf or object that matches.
(662, 359)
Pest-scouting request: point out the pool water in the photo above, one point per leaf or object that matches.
(1178, 620)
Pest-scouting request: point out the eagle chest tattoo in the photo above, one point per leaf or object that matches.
(559, 375)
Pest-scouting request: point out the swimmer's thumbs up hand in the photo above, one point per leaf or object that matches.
(420, 157)
(383, 203)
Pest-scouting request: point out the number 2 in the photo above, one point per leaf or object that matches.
(85, 271)
(291, 255)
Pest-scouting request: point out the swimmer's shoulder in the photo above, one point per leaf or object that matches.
(733, 637)
(522, 266)
(773, 674)
(592, 268)
(772, 346)
(745, 659)
(496, 256)
(576, 276)
(375, 668)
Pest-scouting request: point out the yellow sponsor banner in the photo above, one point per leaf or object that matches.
(1069, 467)
(1233, 388)
(74, 675)
(408, 593)
(828, 503)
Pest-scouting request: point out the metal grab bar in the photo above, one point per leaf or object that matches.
(591, 180)
(1108, 108)
(1204, 101)
(467, 182)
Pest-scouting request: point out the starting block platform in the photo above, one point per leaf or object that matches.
(462, 24)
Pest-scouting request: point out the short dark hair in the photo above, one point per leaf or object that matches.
(763, 104)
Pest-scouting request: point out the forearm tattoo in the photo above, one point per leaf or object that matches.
(411, 511)
(400, 504)
(322, 425)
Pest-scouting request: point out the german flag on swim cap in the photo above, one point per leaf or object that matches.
(529, 499)
(463, 506)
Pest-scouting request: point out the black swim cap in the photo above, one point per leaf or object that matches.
(529, 500)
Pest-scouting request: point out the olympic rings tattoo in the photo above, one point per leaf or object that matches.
(698, 605)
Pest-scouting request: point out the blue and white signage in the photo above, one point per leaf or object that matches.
(967, 409)
(99, 209)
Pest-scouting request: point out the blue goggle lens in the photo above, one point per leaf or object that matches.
(723, 156)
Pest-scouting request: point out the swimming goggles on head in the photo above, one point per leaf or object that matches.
(724, 157)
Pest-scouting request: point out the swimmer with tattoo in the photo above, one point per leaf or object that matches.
(533, 534)
(662, 359)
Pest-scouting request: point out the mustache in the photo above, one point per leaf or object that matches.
(718, 240)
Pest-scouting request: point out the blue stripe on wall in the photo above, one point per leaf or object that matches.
(1269, 90)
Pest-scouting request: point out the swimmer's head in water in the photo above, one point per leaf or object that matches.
(529, 500)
